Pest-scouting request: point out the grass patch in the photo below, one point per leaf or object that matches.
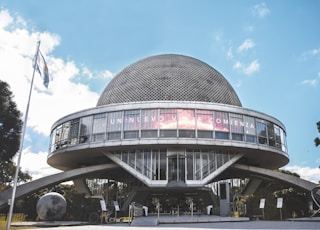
(16, 217)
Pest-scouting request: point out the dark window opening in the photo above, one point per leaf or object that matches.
(131, 134)
(168, 133)
(222, 135)
(251, 139)
(205, 134)
(114, 136)
(187, 133)
(237, 137)
(149, 133)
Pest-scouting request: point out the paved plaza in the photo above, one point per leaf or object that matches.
(185, 223)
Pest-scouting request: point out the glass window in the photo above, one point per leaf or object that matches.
(114, 136)
(99, 127)
(262, 132)
(237, 137)
(131, 120)
(155, 164)
(149, 133)
(132, 158)
(117, 154)
(277, 136)
(205, 134)
(221, 121)
(163, 164)
(283, 140)
(187, 133)
(221, 125)
(219, 160)
(249, 125)
(236, 123)
(147, 171)
(186, 123)
(74, 131)
(186, 119)
(197, 165)
(173, 168)
(124, 156)
(205, 164)
(168, 119)
(225, 157)
(190, 162)
(114, 125)
(212, 161)
(237, 126)
(139, 161)
(271, 134)
(85, 129)
(250, 138)
(62, 135)
(149, 119)
(204, 120)
(53, 140)
(115, 121)
(65, 133)
(168, 133)
(131, 134)
(222, 135)
(181, 167)
(261, 128)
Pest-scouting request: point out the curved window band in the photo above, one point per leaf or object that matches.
(167, 123)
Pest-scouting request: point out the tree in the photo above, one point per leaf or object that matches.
(10, 132)
(317, 139)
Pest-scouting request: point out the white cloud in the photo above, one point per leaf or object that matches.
(5, 19)
(307, 173)
(17, 48)
(249, 28)
(253, 67)
(87, 72)
(63, 96)
(261, 10)
(247, 44)
(35, 164)
(218, 36)
(230, 53)
(311, 52)
(237, 65)
(312, 82)
(107, 74)
(239, 84)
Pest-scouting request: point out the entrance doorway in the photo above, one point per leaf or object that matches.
(176, 167)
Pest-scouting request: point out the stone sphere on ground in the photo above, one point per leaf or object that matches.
(51, 206)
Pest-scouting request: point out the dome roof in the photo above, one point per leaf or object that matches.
(169, 77)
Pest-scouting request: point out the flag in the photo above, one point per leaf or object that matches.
(41, 67)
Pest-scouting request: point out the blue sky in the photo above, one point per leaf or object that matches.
(268, 50)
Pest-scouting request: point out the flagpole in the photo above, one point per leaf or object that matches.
(21, 144)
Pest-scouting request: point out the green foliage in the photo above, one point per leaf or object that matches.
(317, 139)
(10, 131)
(10, 123)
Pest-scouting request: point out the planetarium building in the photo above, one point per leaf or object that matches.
(174, 128)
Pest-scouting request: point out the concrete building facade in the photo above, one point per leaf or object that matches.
(173, 125)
